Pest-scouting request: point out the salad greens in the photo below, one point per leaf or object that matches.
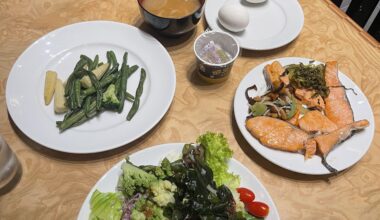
(217, 154)
(106, 206)
(196, 186)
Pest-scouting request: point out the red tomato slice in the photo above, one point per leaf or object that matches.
(257, 209)
(246, 195)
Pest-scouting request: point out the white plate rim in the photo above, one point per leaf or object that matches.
(170, 148)
(171, 78)
(211, 21)
(265, 151)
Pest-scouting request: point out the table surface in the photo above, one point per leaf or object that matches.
(53, 185)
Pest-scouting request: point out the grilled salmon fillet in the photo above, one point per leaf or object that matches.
(310, 148)
(338, 108)
(328, 141)
(272, 74)
(308, 98)
(315, 121)
(295, 119)
(277, 134)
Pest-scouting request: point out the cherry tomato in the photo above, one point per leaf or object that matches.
(257, 209)
(246, 195)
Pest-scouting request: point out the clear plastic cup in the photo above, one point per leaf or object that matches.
(9, 164)
(212, 44)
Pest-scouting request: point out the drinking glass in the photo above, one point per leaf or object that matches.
(9, 164)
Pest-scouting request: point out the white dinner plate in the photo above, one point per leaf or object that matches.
(59, 50)
(341, 157)
(153, 156)
(272, 24)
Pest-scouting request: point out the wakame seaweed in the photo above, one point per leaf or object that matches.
(308, 77)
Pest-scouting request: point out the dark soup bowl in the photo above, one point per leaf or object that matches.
(172, 26)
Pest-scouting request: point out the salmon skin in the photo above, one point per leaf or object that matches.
(278, 134)
(328, 141)
(316, 122)
(337, 106)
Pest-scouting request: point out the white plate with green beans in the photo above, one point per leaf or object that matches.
(140, 72)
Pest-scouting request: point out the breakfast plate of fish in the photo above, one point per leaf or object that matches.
(304, 115)
(257, 25)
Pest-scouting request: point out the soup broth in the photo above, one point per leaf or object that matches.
(171, 8)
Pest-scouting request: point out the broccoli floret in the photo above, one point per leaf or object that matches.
(163, 192)
(147, 210)
(166, 167)
(134, 179)
(161, 172)
(137, 215)
(109, 99)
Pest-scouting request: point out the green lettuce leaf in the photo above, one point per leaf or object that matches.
(105, 206)
(217, 154)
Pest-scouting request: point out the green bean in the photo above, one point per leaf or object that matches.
(113, 58)
(76, 74)
(125, 59)
(129, 96)
(86, 105)
(77, 88)
(134, 108)
(118, 82)
(121, 89)
(110, 71)
(89, 62)
(80, 121)
(140, 88)
(123, 82)
(69, 83)
(103, 83)
(98, 89)
(92, 113)
(68, 114)
(74, 118)
(139, 91)
(132, 69)
(95, 63)
(80, 73)
(80, 64)
(109, 58)
(71, 96)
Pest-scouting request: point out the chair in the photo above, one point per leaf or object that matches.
(374, 30)
(364, 12)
